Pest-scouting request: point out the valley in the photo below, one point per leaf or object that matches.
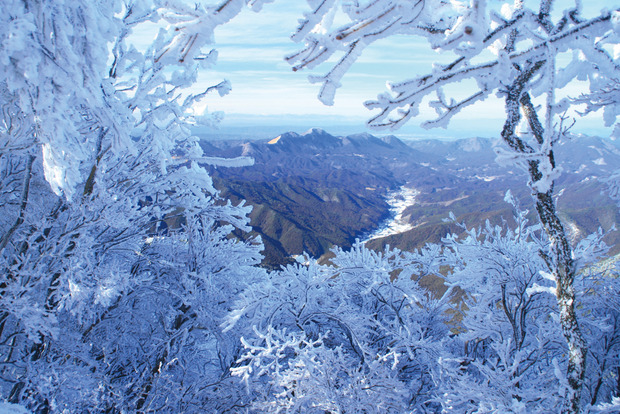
(312, 191)
(398, 223)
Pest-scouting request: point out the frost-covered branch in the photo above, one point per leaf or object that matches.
(406, 96)
(369, 22)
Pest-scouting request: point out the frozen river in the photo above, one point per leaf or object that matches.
(398, 200)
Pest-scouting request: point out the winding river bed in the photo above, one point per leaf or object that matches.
(398, 200)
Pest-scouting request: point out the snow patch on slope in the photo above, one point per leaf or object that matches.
(398, 200)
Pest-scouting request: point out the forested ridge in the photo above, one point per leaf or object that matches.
(123, 287)
(309, 198)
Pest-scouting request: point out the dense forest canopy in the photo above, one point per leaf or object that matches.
(122, 288)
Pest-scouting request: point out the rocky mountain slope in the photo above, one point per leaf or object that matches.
(314, 190)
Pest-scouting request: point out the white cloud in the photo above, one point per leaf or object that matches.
(251, 51)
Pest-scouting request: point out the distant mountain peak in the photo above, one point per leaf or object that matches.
(317, 140)
(392, 140)
(287, 136)
(275, 140)
(362, 135)
(316, 131)
(314, 138)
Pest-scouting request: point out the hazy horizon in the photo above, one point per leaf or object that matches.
(247, 126)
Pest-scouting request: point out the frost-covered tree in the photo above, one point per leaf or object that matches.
(364, 332)
(357, 335)
(115, 263)
(512, 343)
(522, 51)
(598, 308)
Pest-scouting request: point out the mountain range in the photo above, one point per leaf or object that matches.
(315, 190)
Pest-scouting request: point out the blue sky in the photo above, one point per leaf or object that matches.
(268, 96)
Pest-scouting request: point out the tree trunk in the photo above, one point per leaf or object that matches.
(564, 272)
(560, 263)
